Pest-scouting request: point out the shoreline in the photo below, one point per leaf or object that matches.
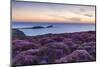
(50, 33)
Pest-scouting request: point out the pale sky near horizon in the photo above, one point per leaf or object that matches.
(47, 12)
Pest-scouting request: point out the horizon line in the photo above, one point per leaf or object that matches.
(52, 22)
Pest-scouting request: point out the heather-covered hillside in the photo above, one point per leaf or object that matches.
(53, 48)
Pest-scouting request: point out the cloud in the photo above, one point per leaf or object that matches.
(75, 19)
(82, 14)
(88, 15)
(58, 16)
(82, 10)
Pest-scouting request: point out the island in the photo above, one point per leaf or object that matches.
(35, 27)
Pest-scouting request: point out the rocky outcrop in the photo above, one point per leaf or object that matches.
(17, 33)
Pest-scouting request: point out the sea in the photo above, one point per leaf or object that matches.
(56, 29)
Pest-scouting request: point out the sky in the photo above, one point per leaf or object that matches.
(50, 12)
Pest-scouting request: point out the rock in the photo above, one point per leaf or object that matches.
(17, 33)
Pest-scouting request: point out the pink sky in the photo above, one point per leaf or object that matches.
(44, 12)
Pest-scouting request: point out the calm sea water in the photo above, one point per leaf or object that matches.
(57, 28)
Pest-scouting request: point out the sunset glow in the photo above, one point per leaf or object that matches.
(45, 12)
